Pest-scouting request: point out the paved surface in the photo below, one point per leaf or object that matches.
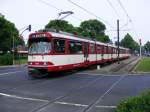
(77, 92)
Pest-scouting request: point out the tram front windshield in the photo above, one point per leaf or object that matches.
(40, 47)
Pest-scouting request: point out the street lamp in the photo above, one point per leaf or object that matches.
(25, 28)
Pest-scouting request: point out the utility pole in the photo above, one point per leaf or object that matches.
(13, 50)
(140, 48)
(118, 41)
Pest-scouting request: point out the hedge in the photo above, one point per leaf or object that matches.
(6, 59)
(139, 103)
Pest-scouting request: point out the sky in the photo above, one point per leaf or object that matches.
(133, 15)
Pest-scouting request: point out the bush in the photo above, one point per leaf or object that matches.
(6, 59)
(139, 103)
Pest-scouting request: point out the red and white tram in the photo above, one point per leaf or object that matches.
(52, 51)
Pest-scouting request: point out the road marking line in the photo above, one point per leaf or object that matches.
(111, 87)
(92, 74)
(9, 73)
(105, 106)
(106, 93)
(82, 105)
(71, 104)
(22, 98)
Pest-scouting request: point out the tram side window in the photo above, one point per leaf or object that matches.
(92, 48)
(75, 47)
(105, 49)
(110, 50)
(114, 51)
(59, 46)
(99, 49)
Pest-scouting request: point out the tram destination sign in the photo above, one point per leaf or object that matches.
(38, 35)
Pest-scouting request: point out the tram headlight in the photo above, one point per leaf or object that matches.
(30, 63)
(45, 63)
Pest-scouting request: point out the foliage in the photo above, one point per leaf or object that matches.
(103, 38)
(6, 59)
(60, 25)
(78, 31)
(93, 26)
(7, 32)
(21, 61)
(139, 103)
(90, 28)
(147, 47)
(128, 42)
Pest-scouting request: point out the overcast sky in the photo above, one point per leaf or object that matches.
(39, 12)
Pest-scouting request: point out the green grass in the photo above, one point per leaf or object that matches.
(143, 65)
(21, 61)
(7, 59)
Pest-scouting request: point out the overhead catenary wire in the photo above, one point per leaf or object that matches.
(77, 18)
(133, 26)
(129, 20)
(117, 14)
(111, 5)
(48, 4)
(91, 13)
(61, 10)
(121, 5)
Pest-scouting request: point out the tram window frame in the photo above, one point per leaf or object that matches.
(92, 48)
(105, 49)
(99, 49)
(77, 49)
(114, 50)
(110, 50)
(63, 48)
(120, 51)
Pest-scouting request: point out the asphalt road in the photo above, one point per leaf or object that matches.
(72, 92)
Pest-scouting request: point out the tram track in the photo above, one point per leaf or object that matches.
(14, 94)
(94, 103)
(86, 107)
(123, 66)
(69, 93)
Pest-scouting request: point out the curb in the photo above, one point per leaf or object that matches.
(140, 72)
(12, 66)
(132, 69)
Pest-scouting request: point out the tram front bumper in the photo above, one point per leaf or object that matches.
(37, 72)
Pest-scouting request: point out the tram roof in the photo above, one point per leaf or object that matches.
(62, 34)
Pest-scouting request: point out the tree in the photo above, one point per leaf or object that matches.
(60, 25)
(128, 42)
(147, 47)
(7, 32)
(90, 28)
(95, 28)
(103, 38)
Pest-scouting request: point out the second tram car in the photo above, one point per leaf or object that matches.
(55, 51)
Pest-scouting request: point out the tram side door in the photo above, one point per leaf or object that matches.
(86, 52)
